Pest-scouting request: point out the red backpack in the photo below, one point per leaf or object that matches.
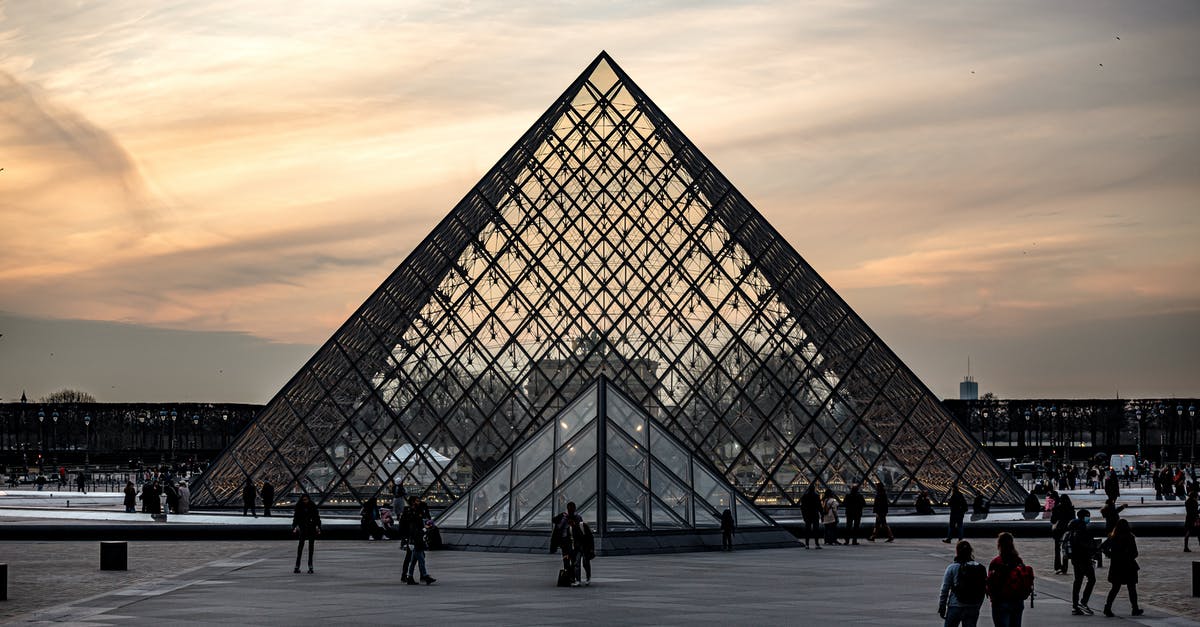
(1015, 585)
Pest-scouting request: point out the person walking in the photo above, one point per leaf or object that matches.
(1111, 513)
(963, 588)
(1112, 486)
(1008, 590)
(1121, 549)
(419, 543)
(958, 510)
(1080, 548)
(1060, 518)
(829, 516)
(185, 498)
(810, 511)
(249, 496)
(855, 503)
(880, 509)
(727, 527)
(81, 481)
(1093, 478)
(1190, 519)
(585, 540)
(268, 497)
(172, 496)
(369, 520)
(131, 501)
(306, 525)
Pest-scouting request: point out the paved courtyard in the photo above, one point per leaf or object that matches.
(356, 583)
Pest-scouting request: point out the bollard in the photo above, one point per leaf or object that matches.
(114, 556)
(3, 582)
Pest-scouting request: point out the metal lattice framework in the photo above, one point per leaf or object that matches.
(603, 242)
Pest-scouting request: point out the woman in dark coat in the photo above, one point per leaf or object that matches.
(306, 525)
(1121, 548)
(131, 499)
(1060, 517)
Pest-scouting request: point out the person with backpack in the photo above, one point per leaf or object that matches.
(567, 533)
(1079, 547)
(1112, 487)
(880, 507)
(958, 510)
(963, 588)
(810, 511)
(1121, 549)
(1060, 518)
(855, 503)
(829, 516)
(1009, 583)
(585, 540)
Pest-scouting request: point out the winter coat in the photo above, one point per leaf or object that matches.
(855, 503)
(1122, 560)
(1082, 542)
(249, 494)
(130, 496)
(306, 519)
(1060, 517)
(880, 506)
(185, 499)
(810, 506)
(958, 505)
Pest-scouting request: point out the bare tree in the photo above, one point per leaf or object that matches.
(67, 395)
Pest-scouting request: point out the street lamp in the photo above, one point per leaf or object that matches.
(195, 428)
(224, 427)
(41, 438)
(1162, 435)
(1025, 429)
(141, 432)
(174, 415)
(1192, 414)
(1138, 414)
(1179, 431)
(54, 440)
(87, 441)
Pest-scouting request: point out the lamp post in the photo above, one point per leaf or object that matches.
(224, 429)
(87, 441)
(174, 415)
(1192, 455)
(195, 428)
(1179, 432)
(1138, 414)
(1162, 439)
(41, 438)
(1025, 429)
(141, 432)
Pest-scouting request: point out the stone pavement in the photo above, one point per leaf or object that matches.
(356, 582)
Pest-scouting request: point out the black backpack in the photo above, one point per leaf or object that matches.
(971, 583)
(1068, 544)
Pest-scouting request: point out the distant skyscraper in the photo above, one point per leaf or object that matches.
(968, 389)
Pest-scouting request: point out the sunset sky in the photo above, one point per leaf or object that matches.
(196, 194)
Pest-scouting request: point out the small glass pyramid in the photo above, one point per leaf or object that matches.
(622, 468)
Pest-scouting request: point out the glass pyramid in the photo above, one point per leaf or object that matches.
(603, 241)
(623, 469)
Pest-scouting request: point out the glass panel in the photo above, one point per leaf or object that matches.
(498, 518)
(456, 516)
(532, 493)
(579, 489)
(673, 493)
(626, 417)
(667, 452)
(706, 517)
(632, 495)
(661, 517)
(588, 514)
(569, 458)
(747, 517)
(580, 413)
(534, 453)
(490, 491)
(541, 520)
(629, 456)
(618, 521)
(710, 489)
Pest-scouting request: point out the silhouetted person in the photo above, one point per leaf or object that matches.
(854, 504)
(306, 525)
(268, 497)
(880, 507)
(958, 510)
(727, 527)
(1121, 548)
(249, 496)
(81, 481)
(810, 510)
